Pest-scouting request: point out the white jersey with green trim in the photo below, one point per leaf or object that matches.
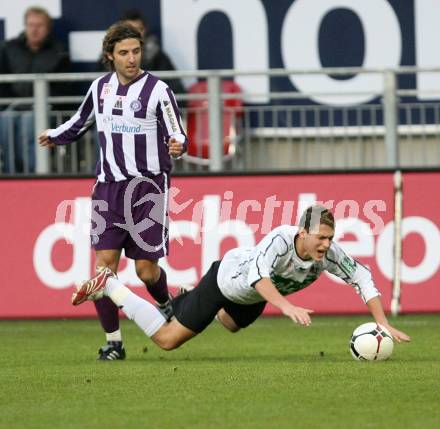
(275, 257)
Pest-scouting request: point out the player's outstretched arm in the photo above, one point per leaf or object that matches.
(270, 293)
(376, 310)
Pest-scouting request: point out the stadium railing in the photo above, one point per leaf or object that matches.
(285, 131)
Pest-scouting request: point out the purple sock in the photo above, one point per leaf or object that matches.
(159, 290)
(108, 314)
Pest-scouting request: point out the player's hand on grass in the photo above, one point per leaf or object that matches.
(298, 314)
(175, 147)
(399, 336)
(44, 140)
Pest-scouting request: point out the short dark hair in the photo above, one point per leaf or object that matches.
(117, 32)
(133, 15)
(316, 215)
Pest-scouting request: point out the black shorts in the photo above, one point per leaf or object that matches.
(196, 309)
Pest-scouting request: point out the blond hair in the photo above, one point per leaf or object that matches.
(39, 11)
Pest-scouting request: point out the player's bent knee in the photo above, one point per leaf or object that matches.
(147, 278)
(148, 275)
(168, 345)
(172, 335)
(164, 342)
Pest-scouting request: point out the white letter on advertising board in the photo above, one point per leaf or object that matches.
(300, 48)
(249, 30)
(430, 263)
(427, 29)
(77, 236)
(215, 232)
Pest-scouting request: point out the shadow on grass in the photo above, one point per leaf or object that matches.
(312, 358)
(263, 359)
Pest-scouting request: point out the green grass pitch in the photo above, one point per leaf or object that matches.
(273, 374)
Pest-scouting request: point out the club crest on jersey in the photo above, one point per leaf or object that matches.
(118, 104)
(106, 89)
(348, 265)
(135, 105)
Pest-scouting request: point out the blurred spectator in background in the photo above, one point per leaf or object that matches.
(153, 59)
(33, 51)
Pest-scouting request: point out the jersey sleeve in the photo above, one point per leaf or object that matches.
(352, 272)
(78, 124)
(169, 117)
(267, 253)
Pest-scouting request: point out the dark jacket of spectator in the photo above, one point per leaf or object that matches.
(16, 57)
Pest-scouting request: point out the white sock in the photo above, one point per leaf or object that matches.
(114, 336)
(144, 314)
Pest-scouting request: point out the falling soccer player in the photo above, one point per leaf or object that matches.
(237, 288)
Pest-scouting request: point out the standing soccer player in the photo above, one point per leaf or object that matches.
(139, 129)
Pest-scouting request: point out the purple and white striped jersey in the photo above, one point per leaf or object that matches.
(134, 121)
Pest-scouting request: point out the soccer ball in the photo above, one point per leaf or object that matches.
(371, 341)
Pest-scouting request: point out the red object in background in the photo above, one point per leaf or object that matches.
(421, 257)
(210, 215)
(198, 120)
